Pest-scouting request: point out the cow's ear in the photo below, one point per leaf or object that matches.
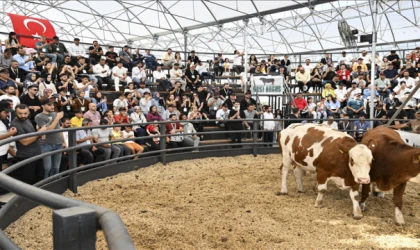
(416, 157)
(372, 144)
(343, 148)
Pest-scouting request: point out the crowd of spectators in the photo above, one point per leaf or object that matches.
(53, 87)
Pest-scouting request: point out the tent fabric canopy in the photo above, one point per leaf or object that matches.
(274, 27)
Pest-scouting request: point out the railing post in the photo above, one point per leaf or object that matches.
(74, 228)
(163, 143)
(254, 138)
(72, 161)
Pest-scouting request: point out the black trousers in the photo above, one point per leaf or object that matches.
(236, 137)
(104, 80)
(351, 113)
(268, 138)
(301, 86)
(218, 70)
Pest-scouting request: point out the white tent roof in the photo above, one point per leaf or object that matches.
(279, 27)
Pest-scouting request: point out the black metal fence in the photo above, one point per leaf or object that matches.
(75, 216)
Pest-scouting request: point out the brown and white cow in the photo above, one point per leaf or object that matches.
(334, 156)
(394, 163)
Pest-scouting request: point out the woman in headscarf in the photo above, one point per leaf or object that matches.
(47, 83)
(328, 90)
(29, 81)
(158, 102)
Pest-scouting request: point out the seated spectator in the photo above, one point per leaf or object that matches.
(119, 75)
(153, 130)
(229, 102)
(6, 59)
(189, 140)
(101, 102)
(331, 123)
(185, 104)
(193, 78)
(218, 65)
(24, 61)
(390, 102)
(105, 135)
(196, 116)
(111, 57)
(138, 117)
(401, 90)
(64, 102)
(66, 83)
(159, 102)
(345, 125)
(341, 94)
(394, 59)
(146, 102)
(360, 127)
(47, 84)
(168, 59)
(222, 117)
(95, 52)
(333, 106)
(170, 111)
(360, 64)
(86, 85)
(122, 117)
(88, 154)
(134, 147)
(304, 80)
(67, 67)
(344, 75)
(5, 81)
(401, 117)
(250, 113)
(174, 129)
(412, 72)
(177, 90)
(328, 75)
(93, 114)
(409, 81)
(10, 95)
(300, 103)
(175, 76)
(214, 104)
(316, 76)
(328, 90)
(153, 115)
(172, 100)
(347, 59)
(292, 118)
(367, 94)
(109, 116)
(121, 102)
(361, 83)
(131, 101)
(118, 135)
(41, 61)
(150, 60)
(321, 109)
(126, 57)
(102, 73)
(160, 77)
(247, 101)
(58, 49)
(355, 106)
(383, 85)
(15, 74)
(225, 92)
(76, 50)
(312, 108)
(391, 74)
(80, 102)
(77, 120)
(377, 72)
(139, 75)
(354, 90)
(85, 69)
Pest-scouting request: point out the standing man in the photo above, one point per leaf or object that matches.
(52, 142)
(31, 99)
(28, 147)
(5, 132)
(126, 57)
(217, 64)
(268, 126)
(235, 123)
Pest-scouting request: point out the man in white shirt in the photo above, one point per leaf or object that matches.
(139, 74)
(237, 62)
(304, 80)
(142, 89)
(160, 77)
(353, 91)
(348, 60)
(76, 50)
(103, 74)
(10, 95)
(119, 75)
(307, 66)
(168, 58)
(366, 58)
(222, 116)
(341, 94)
(86, 86)
(409, 81)
(268, 126)
(5, 110)
(176, 73)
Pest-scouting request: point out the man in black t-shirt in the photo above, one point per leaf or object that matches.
(31, 99)
(394, 59)
(218, 65)
(192, 58)
(236, 117)
(41, 61)
(111, 57)
(95, 52)
(192, 78)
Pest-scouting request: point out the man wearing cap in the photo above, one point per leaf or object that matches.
(230, 101)
(348, 60)
(353, 90)
(95, 52)
(150, 60)
(76, 50)
(217, 64)
(119, 75)
(52, 142)
(160, 77)
(93, 114)
(366, 59)
(175, 76)
(168, 58)
(361, 64)
(5, 109)
(139, 74)
(394, 59)
(102, 72)
(44, 46)
(5, 81)
(355, 106)
(247, 101)
(59, 49)
(125, 57)
(5, 59)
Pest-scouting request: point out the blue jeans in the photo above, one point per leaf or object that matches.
(52, 56)
(52, 162)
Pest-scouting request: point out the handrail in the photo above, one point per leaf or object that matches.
(109, 221)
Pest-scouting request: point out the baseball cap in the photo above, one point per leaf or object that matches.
(360, 58)
(402, 82)
(6, 106)
(76, 39)
(33, 86)
(47, 101)
(146, 92)
(126, 46)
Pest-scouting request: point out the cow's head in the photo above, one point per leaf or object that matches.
(359, 160)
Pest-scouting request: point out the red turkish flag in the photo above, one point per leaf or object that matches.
(29, 29)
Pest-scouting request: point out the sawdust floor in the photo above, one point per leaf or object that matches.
(231, 203)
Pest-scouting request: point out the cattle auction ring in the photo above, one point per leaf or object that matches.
(231, 203)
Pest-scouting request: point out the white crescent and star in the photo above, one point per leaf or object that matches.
(29, 20)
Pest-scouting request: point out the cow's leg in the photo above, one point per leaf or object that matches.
(298, 172)
(285, 170)
(322, 188)
(376, 192)
(398, 194)
(357, 212)
(365, 195)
